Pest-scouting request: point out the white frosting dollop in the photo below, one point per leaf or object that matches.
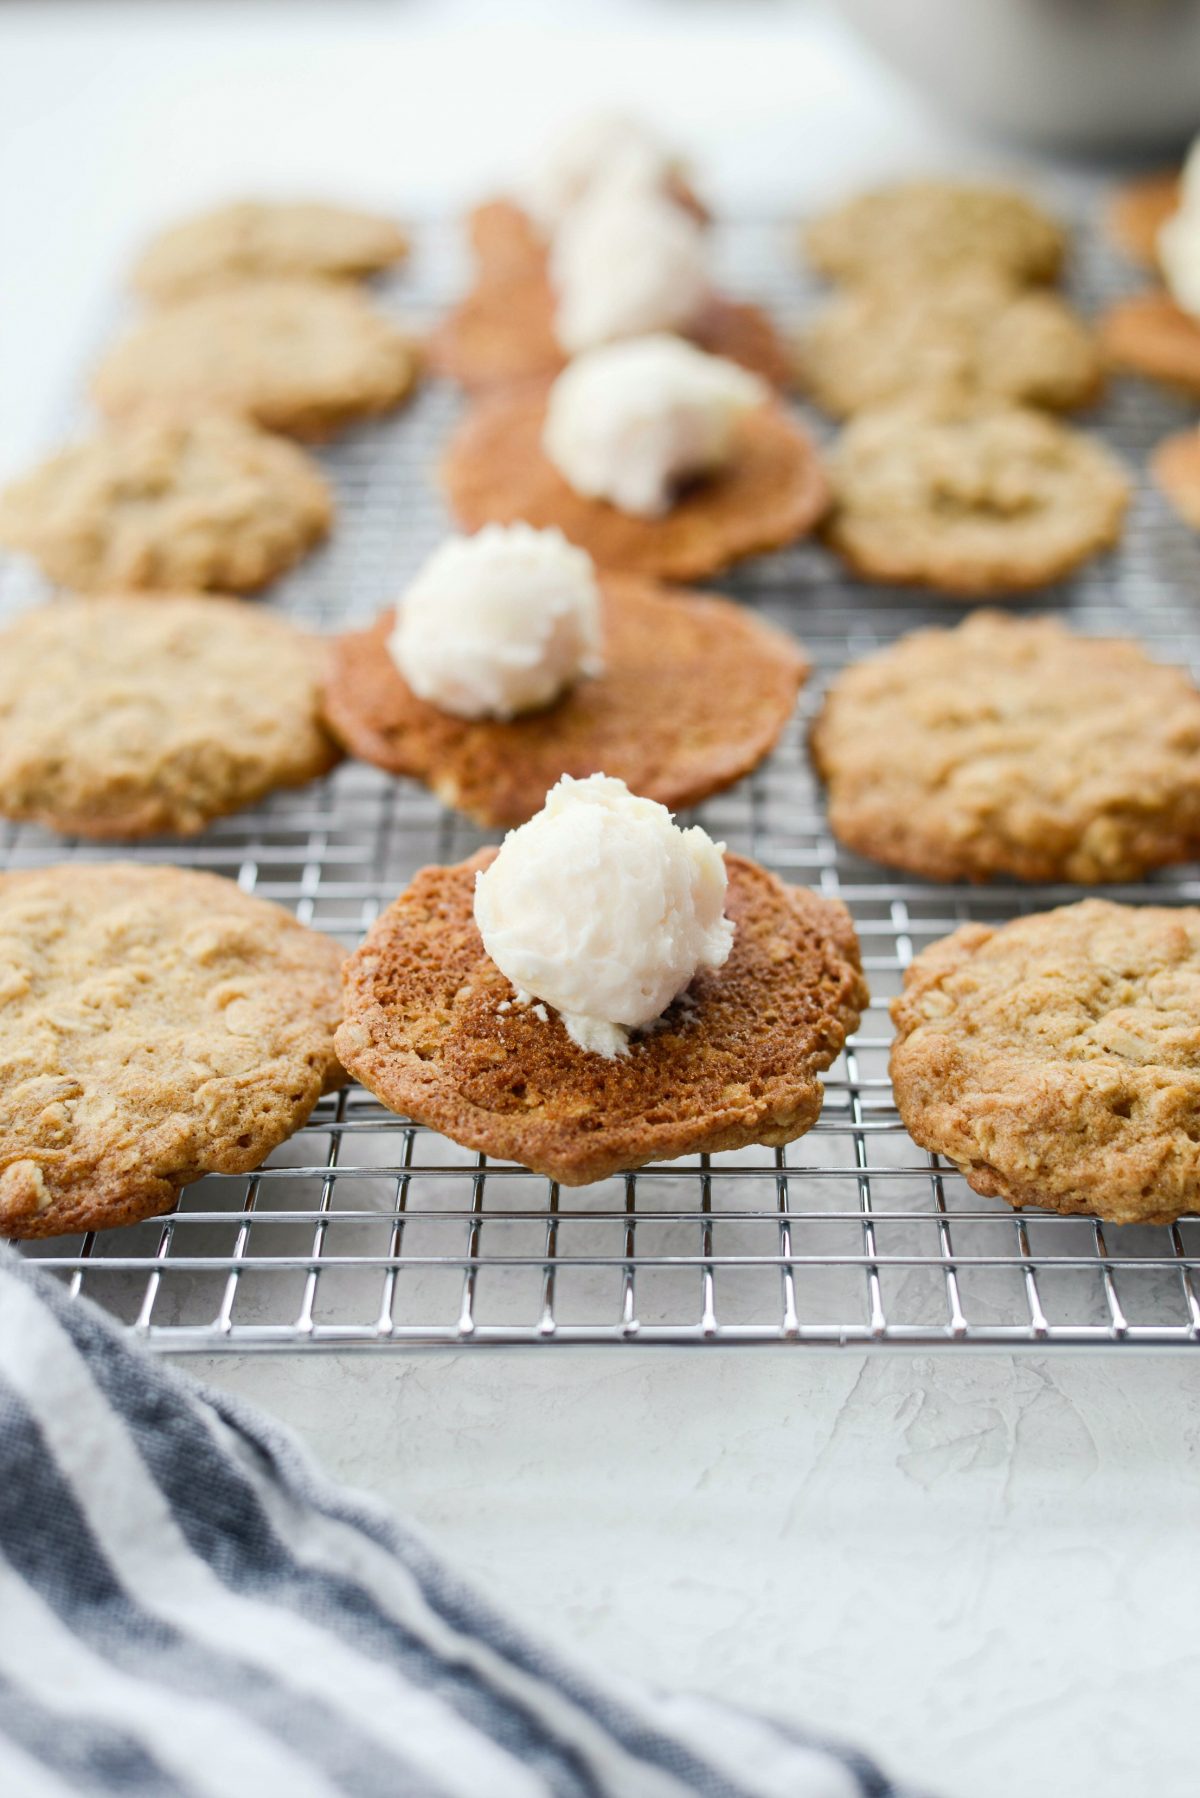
(604, 908)
(626, 261)
(629, 422)
(601, 145)
(499, 623)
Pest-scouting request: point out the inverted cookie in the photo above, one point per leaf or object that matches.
(1013, 746)
(1056, 1060)
(1138, 211)
(253, 239)
(126, 717)
(734, 1062)
(772, 491)
(649, 719)
(1175, 465)
(927, 228)
(156, 1025)
(1150, 335)
(302, 357)
(971, 498)
(973, 332)
(179, 504)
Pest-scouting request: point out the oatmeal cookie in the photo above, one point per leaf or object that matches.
(155, 1025)
(648, 719)
(210, 501)
(771, 492)
(302, 357)
(129, 717)
(971, 497)
(1056, 1060)
(923, 229)
(1013, 746)
(973, 332)
(254, 239)
(735, 1062)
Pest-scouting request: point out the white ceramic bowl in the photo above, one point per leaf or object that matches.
(1095, 74)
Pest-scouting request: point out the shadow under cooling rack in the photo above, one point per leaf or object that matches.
(365, 1230)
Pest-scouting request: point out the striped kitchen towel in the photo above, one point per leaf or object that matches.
(187, 1606)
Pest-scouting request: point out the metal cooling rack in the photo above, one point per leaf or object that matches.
(365, 1230)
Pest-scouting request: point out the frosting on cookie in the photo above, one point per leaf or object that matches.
(626, 261)
(598, 146)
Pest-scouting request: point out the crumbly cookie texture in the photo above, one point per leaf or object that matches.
(973, 332)
(155, 1025)
(169, 503)
(1175, 465)
(1138, 211)
(1056, 1060)
(648, 719)
(251, 239)
(919, 229)
(1148, 334)
(131, 717)
(772, 491)
(734, 1062)
(1013, 746)
(302, 357)
(971, 497)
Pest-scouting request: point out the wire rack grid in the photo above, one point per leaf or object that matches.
(367, 1230)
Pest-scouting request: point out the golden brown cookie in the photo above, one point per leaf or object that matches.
(1056, 1060)
(302, 357)
(1175, 465)
(1013, 746)
(254, 239)
(169, 503)
(772, 491)
(735, 1062)
(1138, 211)
(928, 228)
(1149, 334)
(649, 719)
(972, 497)
(129, 717)
(155, 1025)
(973, 332)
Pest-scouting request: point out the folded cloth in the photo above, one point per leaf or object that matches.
(187, 1606)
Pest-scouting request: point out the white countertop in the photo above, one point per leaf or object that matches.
(979, 1567)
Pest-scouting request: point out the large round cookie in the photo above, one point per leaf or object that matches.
(186, 503)
(1056, 1060)
(648, 719)
(302, 357)
(923, 229)
(971, 497)
(155, 1025)
(132, 717)
(1012, 746)
(772, 491)
(253, 239)
(973, 332)
(735, 1062)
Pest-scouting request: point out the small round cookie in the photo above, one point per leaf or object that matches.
(1011, 746)
(1138, 211)
(1056, 1060)
(255, 239)
(649, 719)
(927, 228)
(187, 504)
(1175, 466)
(156, 1025)
(973, 332)
(131, 717)
(734, 1062)
(971, 497)
(302, 357)
(772, 491)
(1148, 334)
